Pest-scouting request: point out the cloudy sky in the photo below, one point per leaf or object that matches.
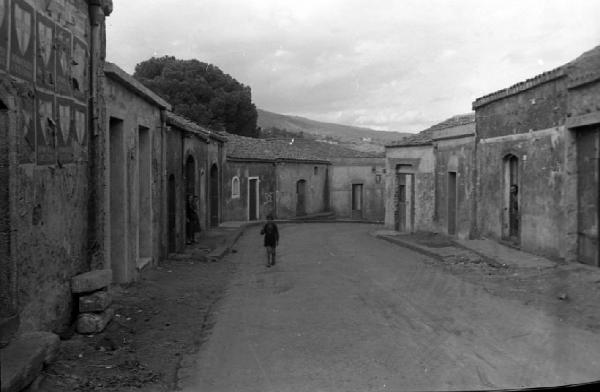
(399, 65)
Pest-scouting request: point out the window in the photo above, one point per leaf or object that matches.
(378, 178)
(316, 170)
(235, 187)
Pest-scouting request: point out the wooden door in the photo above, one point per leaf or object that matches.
(357, 200)
(253, 199)
(301, 198)
(451, 203)
(214, 196)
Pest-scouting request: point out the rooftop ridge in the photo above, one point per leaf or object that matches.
(544, 77)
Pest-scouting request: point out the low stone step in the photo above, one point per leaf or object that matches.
(24, 358)
(95, 302)
(217, 253)
(91, 281)
(88, 323)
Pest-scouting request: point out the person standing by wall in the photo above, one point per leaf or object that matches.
(271, 239)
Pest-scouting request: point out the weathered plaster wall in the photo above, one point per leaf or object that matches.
(288, 174)
(135, 112)
(174, 167)
(49, 200)
(236, 209)
(422, 160)
(455, 155)
(348, 171)
(196, 148)
(540, 107)
(542, 191)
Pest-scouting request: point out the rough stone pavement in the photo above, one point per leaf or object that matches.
(344, 311)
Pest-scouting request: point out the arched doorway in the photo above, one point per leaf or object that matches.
(511, 212)
(214, 195)
(190, 190)
(301, 198)
(171, 215)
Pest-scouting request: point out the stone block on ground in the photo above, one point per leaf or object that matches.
(95, 302)
(91, 281)
(218, 253)
(88, 323)
(24, 358)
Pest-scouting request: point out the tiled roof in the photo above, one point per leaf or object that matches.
(579, 71)
(425, 137)
(422, 138)
(129, 81)
(190, 126)
(242, 147)
(454, 121)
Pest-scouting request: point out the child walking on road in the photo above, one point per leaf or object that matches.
(271, 239)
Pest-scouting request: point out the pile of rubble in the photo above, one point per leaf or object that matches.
(94, 299)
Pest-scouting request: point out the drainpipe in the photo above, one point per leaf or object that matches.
(98, 10)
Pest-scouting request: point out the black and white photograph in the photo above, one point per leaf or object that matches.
(299, 196)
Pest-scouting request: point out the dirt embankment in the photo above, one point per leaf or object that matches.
(158, 320)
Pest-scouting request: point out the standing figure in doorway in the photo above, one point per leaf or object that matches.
(513, 211)
(192, 222)
(271, 239)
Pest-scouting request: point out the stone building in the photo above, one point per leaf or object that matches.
(51, 71)
(296, 177)
(454, 150)
(276, 177)
(430, 179)
(410, 184)
(526, 175)
(195, 162)
(134, 181)
(537, 162)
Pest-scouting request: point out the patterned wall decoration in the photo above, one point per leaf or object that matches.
(3, 34)
(79, 69)
(22, 40)
(27, 134)
(45, 72)
(64, 136)
(46, 129)
(63, 61)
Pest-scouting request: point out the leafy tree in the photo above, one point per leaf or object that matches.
(201, 92)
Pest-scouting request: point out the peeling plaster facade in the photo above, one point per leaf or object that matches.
(49, 91)
(134, 182)
(409, 184)
(357, 186)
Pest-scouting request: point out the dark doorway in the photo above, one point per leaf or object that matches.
(357, 201)
(301, 198)
(253, 199)
(588, 194)
(171, 214)
(512, 210)
(404, 214)
(144, 194)
(214, 195)
(190, 190)
(118, 201)
(451, 203)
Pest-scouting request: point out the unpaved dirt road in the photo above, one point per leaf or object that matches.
(343, 311)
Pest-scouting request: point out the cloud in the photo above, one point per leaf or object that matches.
(396, 65)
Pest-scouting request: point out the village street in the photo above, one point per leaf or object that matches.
(344, 311)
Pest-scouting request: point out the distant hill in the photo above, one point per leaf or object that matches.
(363, 139)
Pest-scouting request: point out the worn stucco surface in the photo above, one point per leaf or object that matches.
(455, 155)
(139, 193)
(348, 171)
(50, 197)
(288, 174)
(236, 209)
(541, 188)
(422, 160)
